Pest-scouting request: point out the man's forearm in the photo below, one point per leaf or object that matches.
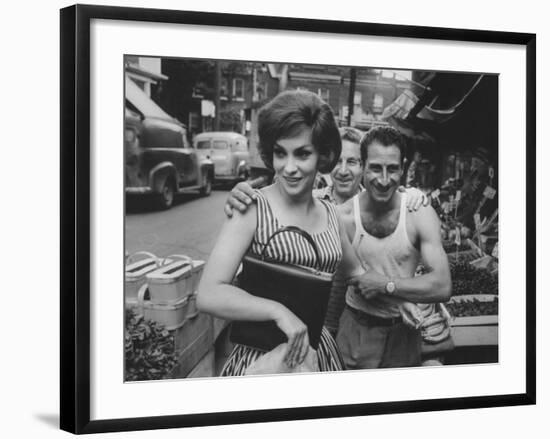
(428, 288)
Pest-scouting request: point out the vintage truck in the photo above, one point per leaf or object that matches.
(159, 160)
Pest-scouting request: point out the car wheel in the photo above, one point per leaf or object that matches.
(165, 199)
(206, 187)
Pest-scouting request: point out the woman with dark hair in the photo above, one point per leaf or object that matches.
(298, 137)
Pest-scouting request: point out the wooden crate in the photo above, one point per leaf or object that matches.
(192, 341)
(482, 335)
(191, 330)
(205, 367)
(475, 330)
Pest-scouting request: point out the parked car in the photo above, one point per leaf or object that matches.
(159, 160)
(228, 151)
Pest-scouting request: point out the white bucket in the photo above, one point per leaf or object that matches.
(172, 316)
(174, 281)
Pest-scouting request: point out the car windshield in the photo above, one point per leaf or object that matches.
(220, 144)
(203, 144)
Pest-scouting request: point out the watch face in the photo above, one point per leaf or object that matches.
(390, 287)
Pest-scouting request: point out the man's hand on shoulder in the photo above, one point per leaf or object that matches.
(415, 198)
(242, 196)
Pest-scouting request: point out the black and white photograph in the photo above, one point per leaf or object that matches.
(272, 219)
(296, 218)
(275, 220)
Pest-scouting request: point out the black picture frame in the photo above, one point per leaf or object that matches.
(75, 217)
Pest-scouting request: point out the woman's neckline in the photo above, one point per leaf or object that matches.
(280, 223)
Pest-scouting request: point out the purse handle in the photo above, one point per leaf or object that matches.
(300, 232)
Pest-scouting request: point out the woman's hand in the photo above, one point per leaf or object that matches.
(241, 196)
(296, 332)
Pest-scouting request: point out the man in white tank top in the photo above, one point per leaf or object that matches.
(389, 242)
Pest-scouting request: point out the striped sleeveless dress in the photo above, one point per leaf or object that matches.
(291, 248)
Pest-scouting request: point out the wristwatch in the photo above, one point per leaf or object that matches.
(390, 287)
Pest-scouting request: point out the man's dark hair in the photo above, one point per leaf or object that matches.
(289, 113)
(386, 136)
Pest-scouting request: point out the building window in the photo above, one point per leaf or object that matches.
(223, 87)
(378, 103)
(261, 90)
(238, 88)
(324, 94)
(194, 123)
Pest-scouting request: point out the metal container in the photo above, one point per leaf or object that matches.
(175, 280)
(138, 265)
(171, 315)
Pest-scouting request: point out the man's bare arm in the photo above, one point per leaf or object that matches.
(435, 285)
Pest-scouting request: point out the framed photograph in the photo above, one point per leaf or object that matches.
(422, 306)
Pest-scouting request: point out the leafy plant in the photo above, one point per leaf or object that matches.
(468, 279)
(149, 350)
(470, 308)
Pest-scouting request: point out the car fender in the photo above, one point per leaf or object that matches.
(159, 173)
(207, 166)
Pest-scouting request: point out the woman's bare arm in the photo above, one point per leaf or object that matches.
(217, 296)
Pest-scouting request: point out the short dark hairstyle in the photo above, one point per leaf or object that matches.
(351, 134)
(386, 136)
(290, 112)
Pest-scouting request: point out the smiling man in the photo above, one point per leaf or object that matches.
(389, 241)
(346, 175)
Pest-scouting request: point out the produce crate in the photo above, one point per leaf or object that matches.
(192, 341)
(481, 330)
(205, 367)
(468, 279)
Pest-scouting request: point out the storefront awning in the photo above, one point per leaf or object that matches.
(143, 103)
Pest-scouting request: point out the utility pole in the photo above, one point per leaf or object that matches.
(254, 83)
(351, 96)
(217, 86)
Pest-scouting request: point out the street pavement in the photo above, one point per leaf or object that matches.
(190, 227)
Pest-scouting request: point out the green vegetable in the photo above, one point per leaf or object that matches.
(467, 279)
(149, 350)
(471, 308)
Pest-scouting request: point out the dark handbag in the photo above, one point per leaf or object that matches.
(304, 291)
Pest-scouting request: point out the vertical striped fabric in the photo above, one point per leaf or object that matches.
(292, 248)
